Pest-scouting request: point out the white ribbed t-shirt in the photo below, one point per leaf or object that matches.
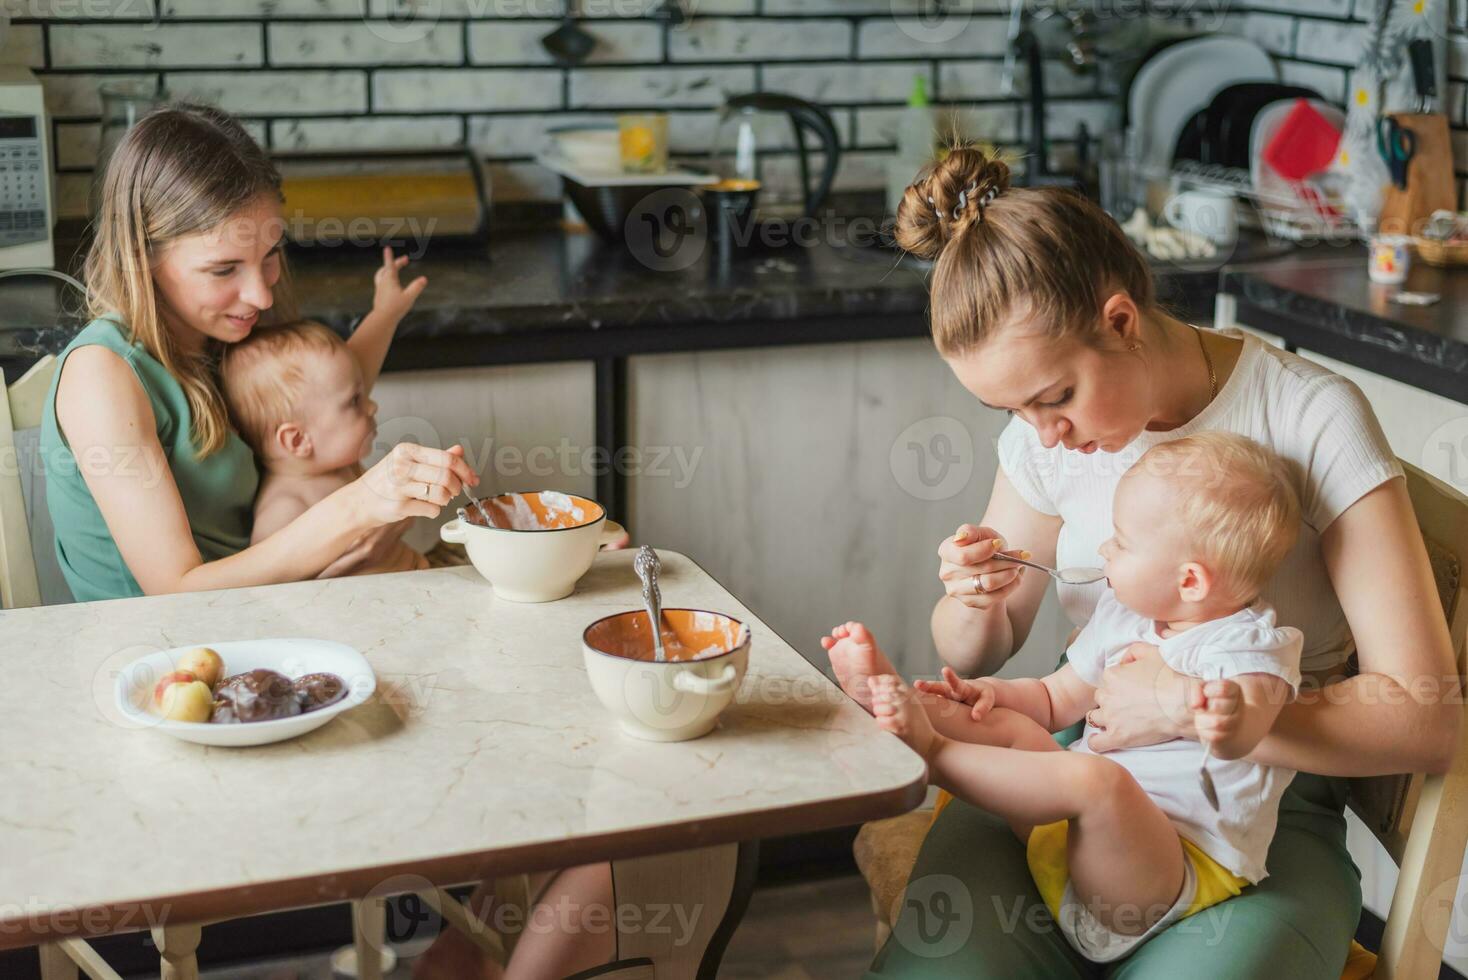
(1301, 410)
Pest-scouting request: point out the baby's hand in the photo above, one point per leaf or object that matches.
(389, 297)
(1217, 709)
(978, 693)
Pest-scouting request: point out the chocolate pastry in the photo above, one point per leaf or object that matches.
(318, 690)
(256, 695)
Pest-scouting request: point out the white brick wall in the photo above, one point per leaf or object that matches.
(715, 39)
(320, 75)
(355, 43)
(146, 45)
(512, 42)
(665, 87)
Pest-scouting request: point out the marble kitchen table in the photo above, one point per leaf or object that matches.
(483, 753)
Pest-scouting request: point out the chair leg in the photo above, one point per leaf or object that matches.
(55, 964)
(369, 933)
(670, 894)
(177, 946)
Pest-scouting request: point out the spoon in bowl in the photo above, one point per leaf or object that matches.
(479, 506)
(1065, 576)
(647, 566)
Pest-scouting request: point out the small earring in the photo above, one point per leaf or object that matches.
(1134, 346)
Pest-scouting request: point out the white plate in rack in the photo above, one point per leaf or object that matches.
(291, 657)
(1181, 79)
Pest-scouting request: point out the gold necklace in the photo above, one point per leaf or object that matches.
(1208, 360)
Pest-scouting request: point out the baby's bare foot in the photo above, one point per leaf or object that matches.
(856, 658)
(896, 711)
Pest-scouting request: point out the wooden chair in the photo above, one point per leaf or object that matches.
(1421, 821)
(21, 408)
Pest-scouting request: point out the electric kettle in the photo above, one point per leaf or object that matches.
(768, 142)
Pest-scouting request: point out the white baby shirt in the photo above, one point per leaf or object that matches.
(1238, 833)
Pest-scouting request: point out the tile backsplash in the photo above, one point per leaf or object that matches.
(361, 74)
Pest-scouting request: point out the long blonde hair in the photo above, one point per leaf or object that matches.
(1047, 253)
(182, 170)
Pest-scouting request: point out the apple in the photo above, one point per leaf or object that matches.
(189, 701)
(203, 663)
(168, 680)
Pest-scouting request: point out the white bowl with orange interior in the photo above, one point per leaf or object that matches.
(679, 697)
(538, 543)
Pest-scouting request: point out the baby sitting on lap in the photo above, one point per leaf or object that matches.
(298, 397)
(1124, 844)
(301, 396)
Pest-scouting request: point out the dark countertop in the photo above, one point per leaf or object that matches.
(1322, 300)
(548, 294)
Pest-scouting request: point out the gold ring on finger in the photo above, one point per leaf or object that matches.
(978, 587)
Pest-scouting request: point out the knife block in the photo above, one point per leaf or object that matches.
(1429, 177)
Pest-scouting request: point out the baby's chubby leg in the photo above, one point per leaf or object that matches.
(1126, 860)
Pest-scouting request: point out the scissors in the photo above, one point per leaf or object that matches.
(1398, 145)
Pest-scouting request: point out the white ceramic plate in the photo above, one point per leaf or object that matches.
(291, 657)
(1181, 79)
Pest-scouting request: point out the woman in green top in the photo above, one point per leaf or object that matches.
(148, 485)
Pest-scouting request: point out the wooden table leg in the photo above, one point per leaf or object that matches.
(369, 933)
(176, 948)
(55, 964)
(679, 910)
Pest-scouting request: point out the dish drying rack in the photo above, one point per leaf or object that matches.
(1282, 216)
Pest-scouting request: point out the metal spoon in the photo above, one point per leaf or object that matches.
(1065, 576)
(647, 566)
(1206, 778)
(479, 506)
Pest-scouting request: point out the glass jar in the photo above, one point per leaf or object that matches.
(123, 104)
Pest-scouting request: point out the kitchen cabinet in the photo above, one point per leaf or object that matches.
(523, 426)
(817, 482)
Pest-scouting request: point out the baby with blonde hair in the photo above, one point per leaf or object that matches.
(1124, 844)
(302, 399)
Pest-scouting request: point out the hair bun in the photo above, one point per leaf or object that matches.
(947, 198)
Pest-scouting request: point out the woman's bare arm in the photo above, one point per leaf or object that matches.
(108, 422)
(977, 642)
(1402, 712)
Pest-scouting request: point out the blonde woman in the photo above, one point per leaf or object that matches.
(150, 488)
(1042, 307)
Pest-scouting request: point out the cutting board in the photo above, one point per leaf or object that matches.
(1429, 177)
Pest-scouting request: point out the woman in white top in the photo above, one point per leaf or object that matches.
(1042, 307)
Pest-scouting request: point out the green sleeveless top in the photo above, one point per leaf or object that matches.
(218, 492)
